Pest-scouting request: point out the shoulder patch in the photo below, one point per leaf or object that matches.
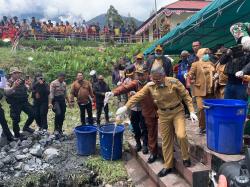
(173, 80)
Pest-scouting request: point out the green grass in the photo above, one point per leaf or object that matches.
(58, 44)
(71, 58)
(19, 59)
(109, 171)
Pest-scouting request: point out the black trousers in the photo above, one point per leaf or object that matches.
(41, 112)
(3, 122)
(15, 112)
(139, 127)
(59, 107)
(87, 107)
(99, 107)
(184, 104)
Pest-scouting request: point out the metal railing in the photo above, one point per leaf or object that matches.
(102, 37)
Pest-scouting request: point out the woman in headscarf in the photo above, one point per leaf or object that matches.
(201, 75)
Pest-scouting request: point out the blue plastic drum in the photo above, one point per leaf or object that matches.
(111, 139)
(225, 120)
(86, 139)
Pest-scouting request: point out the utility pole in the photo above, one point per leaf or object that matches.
(156, 20)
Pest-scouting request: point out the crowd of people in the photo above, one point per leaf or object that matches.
(11, 27)
(54, 96)
(158, 94)
(206, 73)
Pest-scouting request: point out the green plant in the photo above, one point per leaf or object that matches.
(109, 172)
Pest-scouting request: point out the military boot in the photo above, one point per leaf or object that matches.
(138, 146)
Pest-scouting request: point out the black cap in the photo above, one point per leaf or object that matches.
(130, 69)
(61, 74)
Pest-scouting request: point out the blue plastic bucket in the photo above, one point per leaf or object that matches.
(225, 120)
(106, 133)
(86, 139)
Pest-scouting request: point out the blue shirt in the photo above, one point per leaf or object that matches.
(192, 58)
(182, 69)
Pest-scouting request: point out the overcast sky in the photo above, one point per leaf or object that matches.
(87, 9)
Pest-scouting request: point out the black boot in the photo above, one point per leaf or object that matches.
(11, 138)
(152, 158)
(28, 129)
(138, 146)
(187, 163)
(164, 172)
(145, 149)
(20, 136)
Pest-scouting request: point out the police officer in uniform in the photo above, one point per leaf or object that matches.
(168, 94)
(3, 122)
(17, 97)
(58, 95)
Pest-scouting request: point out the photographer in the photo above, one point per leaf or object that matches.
(236, 59)
(17, 97)
(40, 94)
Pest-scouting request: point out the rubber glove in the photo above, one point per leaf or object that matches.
(108, 95)
(132, 92)
(119, 83)
(193, 117)
(185, 76)
(239, 74)
(121, 110)
(216, 76)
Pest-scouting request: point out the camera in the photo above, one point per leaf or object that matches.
(237, 173)
(21, 81)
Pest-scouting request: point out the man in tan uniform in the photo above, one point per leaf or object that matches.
(167, 93)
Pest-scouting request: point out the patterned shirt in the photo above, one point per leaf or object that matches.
(57, 89)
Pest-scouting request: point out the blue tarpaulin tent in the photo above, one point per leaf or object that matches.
(211, 26)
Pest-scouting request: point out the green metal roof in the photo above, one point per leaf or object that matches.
(210, 26)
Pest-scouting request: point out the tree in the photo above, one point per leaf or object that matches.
(113, 18)
(131, 22)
